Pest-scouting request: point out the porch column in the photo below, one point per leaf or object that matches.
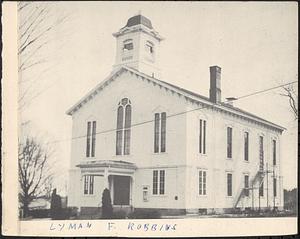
(131, 196)
(106, 183)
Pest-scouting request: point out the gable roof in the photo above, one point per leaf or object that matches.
(189, 95)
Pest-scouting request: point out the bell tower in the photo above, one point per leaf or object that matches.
(138, 46)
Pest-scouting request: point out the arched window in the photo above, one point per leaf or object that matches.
(123, 127)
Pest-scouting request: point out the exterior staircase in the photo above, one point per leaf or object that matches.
(259, 177)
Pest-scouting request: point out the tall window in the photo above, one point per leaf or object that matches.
(88, 185)
(158, 182)
(274, 187)
(91, 139)
(202, 136)
(261, 153)
(261, 189)
(123, 127)
(246, 146)
(246, 181)
(160, 121)
(229, 142)
(229, 184)
(274, 152)
(202, 182)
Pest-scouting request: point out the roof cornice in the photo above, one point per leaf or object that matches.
(169, 87)
(138, 28)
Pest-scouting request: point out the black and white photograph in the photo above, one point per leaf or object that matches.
(151, 115)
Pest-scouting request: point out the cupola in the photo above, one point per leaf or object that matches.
(138, 46)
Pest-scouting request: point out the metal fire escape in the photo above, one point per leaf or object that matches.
(257, 180)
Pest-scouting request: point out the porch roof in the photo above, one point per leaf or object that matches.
(107, 164)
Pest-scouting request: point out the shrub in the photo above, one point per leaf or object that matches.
(39, 213)
(55, 209)
(107, 210)
(145, 214)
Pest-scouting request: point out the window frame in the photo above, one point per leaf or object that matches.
(126, 43)
(149, 46)
(229, 187)
(124, 124)
(159, 182)
(91, 136)
(261, 152)
(246, 146)
(202, 136)
(274, 187)
(88, 185)
(274, 151)
(261, 189)
(160, 132)
(246, 185)
(202, 182)
(229, 142)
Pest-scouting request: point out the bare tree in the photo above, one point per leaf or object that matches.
(35, 176)
(291, 93)
(37, 22)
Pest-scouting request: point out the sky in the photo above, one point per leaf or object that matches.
(255, 44)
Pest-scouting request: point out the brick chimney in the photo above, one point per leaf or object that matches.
(215, 84)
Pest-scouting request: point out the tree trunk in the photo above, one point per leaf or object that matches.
(25, 209)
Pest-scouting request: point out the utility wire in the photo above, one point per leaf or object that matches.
(173, 115)
(262, 91)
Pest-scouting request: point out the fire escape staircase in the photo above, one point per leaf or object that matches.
(259, 177)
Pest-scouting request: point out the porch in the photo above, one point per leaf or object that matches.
(117, 176)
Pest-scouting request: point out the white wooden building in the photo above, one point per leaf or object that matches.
(156, 145)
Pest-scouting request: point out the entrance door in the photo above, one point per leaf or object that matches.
(121, 190)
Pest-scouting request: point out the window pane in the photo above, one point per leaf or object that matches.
(156, 133)
(120, 118)
(88, 139)
(124, 101)
(229, 142)
(119, 133)
(261, 189)
(149, 48)
(246, 185)
(91, 185)
(261, 153)
(200, 182)
(155, 180)
(85, 190)
(275, 187)
(200, 137)
(274, 152)
(163, 132)
(204, 182)
(128, 46)
(204, 136)
(246, 146)
(93, 139)
(162, 182)
(127, 130)
(229, 184)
